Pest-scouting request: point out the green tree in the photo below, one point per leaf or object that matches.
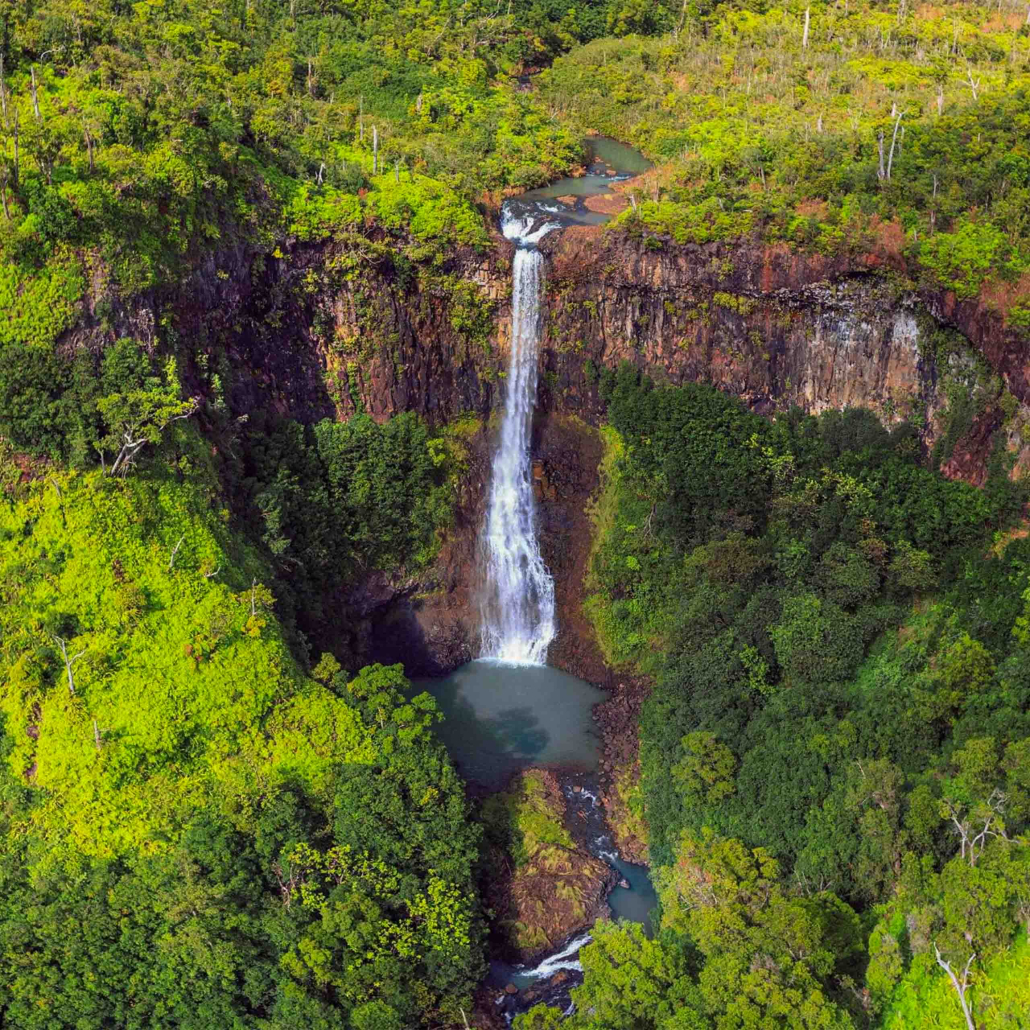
(137, 417)
(705, 772)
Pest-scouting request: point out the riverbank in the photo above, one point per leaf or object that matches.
(567, 808)
(617, 719)
(541, 884)
(528, 742)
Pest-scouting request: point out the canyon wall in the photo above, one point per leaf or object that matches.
(328, 329)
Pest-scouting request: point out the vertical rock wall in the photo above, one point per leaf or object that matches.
(327, 330)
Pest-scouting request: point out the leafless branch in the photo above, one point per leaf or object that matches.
(961, 984)
(175, 551)
(62, 646)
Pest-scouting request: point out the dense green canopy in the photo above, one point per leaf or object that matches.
(834, 756)
(195, 832)
(206, 821)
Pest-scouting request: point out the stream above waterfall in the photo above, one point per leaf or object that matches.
(608, 162)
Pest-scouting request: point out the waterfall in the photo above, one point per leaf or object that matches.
(518, 604)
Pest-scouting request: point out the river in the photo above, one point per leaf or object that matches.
(510, 710)
(500, 718)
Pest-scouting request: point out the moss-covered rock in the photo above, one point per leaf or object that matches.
(540, 886)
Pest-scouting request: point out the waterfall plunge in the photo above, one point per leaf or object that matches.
(518, 605)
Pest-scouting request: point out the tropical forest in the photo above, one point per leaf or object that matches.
(514, 513)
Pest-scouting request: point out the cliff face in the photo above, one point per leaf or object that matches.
(325, 330)
(774, 328)
(778, 328)
(329, 329)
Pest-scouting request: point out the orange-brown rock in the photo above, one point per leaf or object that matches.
(606, 203)
(325, 330)
(541, 887)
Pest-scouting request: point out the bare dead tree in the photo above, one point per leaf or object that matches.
(289, 880)
(375, 150)
(89, 145)
(96, 734)
(974, 834)
(804, 35)
(16, 168)
(974, 84)
(135, 438)
(881, 172)
(3, 93)
(35, 94)
(131, 446)
(894, 140)
(69, 661)
(60, 500)
(679, 24)
(940, 99)
(960, 983)
(175, 551)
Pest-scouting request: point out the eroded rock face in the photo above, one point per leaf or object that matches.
(541, 886)
(330, 329)
(568, 452)
(772, 326)
(327, 329)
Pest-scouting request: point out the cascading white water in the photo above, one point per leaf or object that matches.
(518, 603)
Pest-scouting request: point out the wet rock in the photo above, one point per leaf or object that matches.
(551, 893)
(606, 203)
(769, 324)
(511, 989)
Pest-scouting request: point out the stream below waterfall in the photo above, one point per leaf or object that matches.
(501, 718)
(510, 711)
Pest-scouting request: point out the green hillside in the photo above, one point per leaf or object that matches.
(211, 821)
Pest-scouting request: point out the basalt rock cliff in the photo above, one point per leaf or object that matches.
(327, 329)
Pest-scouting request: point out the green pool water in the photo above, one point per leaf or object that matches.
(608, 162)
(499, 719)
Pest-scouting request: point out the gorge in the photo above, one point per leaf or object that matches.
(462, 572)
